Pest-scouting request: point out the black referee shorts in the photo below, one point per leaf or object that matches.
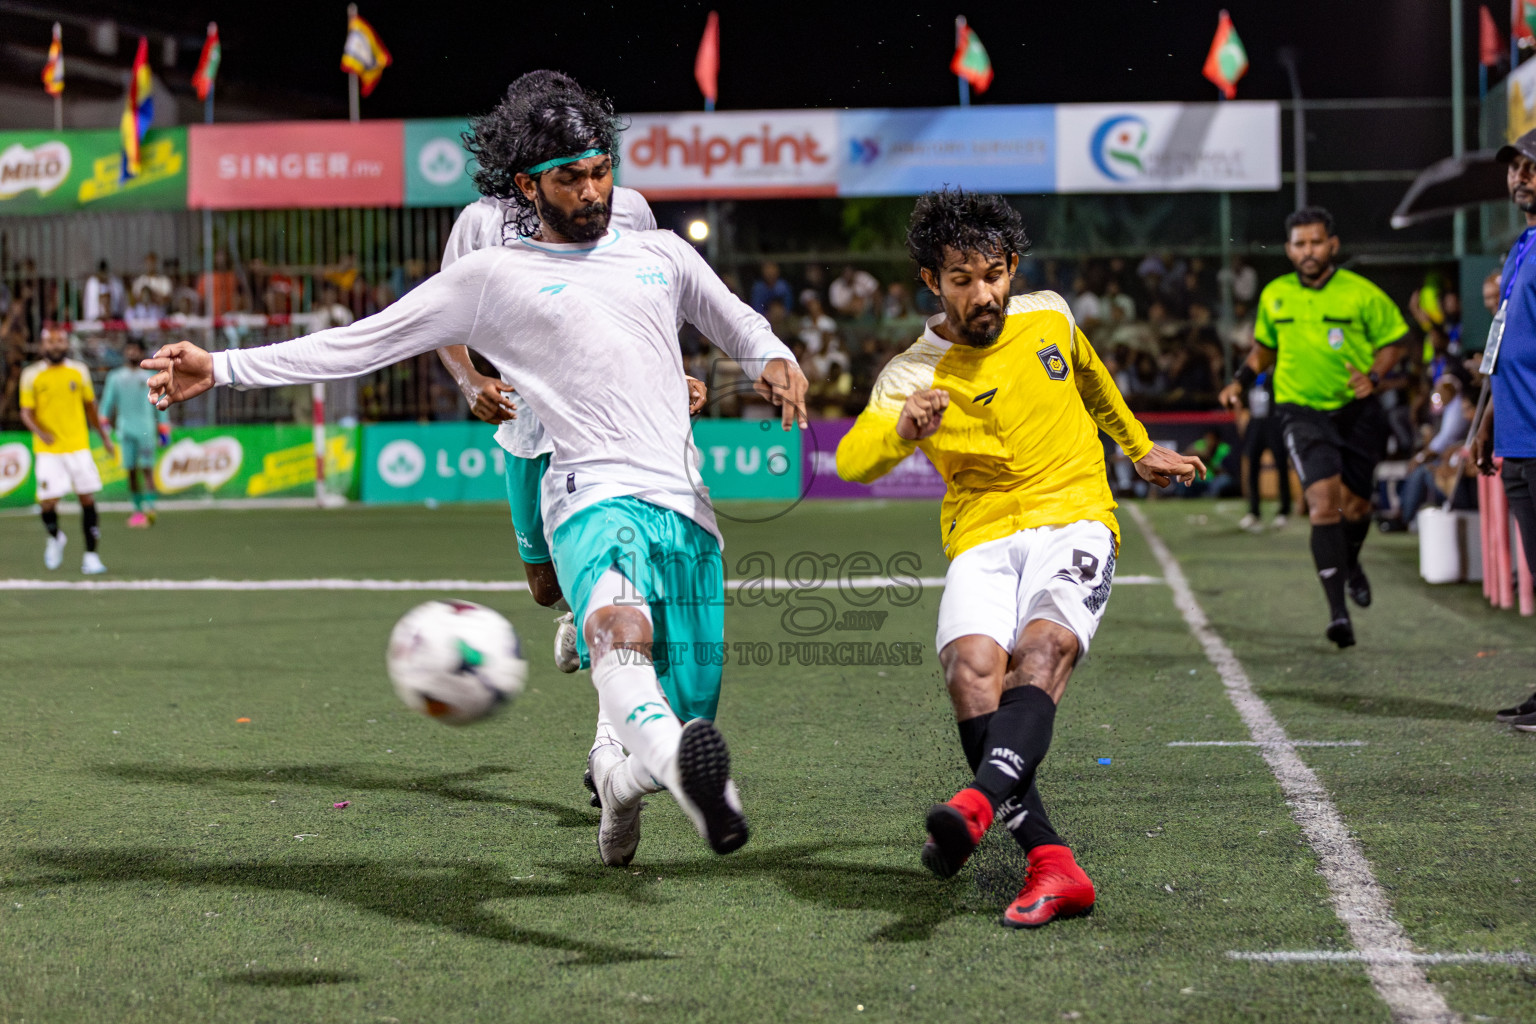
(1346, 442)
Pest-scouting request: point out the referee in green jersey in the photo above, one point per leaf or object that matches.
(1331, 336)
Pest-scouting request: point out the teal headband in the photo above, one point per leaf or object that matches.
(561, 161)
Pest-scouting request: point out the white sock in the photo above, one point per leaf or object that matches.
(604, 733)
(631, 700)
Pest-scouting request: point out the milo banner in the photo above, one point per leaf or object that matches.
(261, 461)
(444, 462)
(62, 172)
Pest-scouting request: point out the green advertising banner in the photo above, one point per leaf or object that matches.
(78, 169)
(260, 461)
(436, 163)
(748, 459)
(447, 462)
(432, 462)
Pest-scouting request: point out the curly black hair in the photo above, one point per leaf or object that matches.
(544, 116)
(967, 222)
(1310, 215)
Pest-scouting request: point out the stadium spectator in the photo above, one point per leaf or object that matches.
(770, 286)
(1265, 434)
(1432, 475)
(853, 293)
(1508, 430)
(151, 288)
(102, 296)
(220, 291)
(816, 327)
(1244, 280)
(1085, 305)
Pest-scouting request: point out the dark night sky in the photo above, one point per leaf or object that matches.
(454, 56)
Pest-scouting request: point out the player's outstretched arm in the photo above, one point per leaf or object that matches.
(1161, 466)
(487, 396)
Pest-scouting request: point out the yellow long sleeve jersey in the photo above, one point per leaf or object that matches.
(1018, 446)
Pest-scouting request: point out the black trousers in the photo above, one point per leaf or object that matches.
(1265, 433)
(1520, 487)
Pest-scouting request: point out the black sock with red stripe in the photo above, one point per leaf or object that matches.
(1023, 816)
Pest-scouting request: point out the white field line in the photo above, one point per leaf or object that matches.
(1357, 897)
(483, 586)
(1354, 956)
(1255, 743)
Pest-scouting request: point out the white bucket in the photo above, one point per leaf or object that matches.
(1450, 546)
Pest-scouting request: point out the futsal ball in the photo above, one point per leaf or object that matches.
(455, 661)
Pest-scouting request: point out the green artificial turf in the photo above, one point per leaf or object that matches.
(162, 861)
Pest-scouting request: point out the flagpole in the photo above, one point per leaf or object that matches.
(965, 85)
(58, 113)
(1458, 121)
(352, 95)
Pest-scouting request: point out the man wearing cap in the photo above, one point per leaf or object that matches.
(1511, 435)
(1330, 336)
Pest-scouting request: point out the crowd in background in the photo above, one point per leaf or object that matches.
(1156, 322)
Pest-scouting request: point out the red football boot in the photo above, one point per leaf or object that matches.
(954, 830)
(1056, 887)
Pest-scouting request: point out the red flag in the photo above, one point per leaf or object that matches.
(970, 61)
(706, 65)
(1490, 48)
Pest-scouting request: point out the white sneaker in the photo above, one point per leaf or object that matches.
(567, 658)
(1279, 522)
(618, 832)
(1251, 523)
(53, 554)
(91, 565)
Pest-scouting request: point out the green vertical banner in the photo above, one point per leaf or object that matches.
(436, 164)
(80, 170)
(18, 484)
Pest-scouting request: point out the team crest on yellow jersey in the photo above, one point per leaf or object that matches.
(1055, 365)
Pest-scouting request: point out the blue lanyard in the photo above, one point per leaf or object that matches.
(1526, 238)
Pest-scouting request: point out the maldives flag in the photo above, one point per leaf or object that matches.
(1227, 61)
(53, 71)
(208, 63)
(706, 65)
(971, 61)
(1520, 21)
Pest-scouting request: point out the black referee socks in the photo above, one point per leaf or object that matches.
(1330, 552)
(1355, 532)
(1024, 817)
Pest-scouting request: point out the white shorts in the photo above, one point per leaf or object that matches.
(61, 473)
(1058, 573)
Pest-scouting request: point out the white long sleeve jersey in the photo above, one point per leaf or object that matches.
(483, 224)
(588, 331)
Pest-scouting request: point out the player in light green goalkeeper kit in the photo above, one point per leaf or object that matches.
(125, 405)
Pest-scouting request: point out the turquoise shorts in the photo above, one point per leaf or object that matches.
(524, 478)
(136, 452)
(676, 568)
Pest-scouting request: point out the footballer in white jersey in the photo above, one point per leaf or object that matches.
(632, 527)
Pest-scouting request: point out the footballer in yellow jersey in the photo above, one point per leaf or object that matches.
(58, 405)
(1329, 336)
(1006, 398)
